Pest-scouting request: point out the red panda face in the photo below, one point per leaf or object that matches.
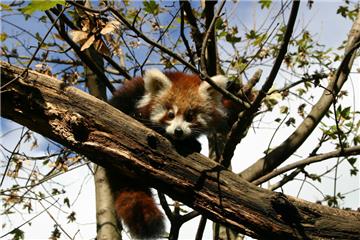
(181, 104)
(180, 122)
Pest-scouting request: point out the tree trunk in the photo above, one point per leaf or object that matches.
(112, 139)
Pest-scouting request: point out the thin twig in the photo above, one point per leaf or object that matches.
(201, 228)
(165, 206)
(243, 123)
(302, 163)
(285, 180)
(195, 32)
(28, 221)
(56, 222)
(183, 37)
(279, 154)
(13, 153)
(84, 58)
(171, 53)
(160, 37)
(23, 74)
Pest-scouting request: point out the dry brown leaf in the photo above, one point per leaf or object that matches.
(88, 43)
(110, 27)
(101, 47)
(78, 36)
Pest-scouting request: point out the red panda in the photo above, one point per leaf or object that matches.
(177, 105)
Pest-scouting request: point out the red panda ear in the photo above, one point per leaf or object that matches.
(155, 81)
(209, 92)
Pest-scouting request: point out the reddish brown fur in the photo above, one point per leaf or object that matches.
(184, 94)
(184, 86)
(127, 95)
(139, 212)
(134, 204)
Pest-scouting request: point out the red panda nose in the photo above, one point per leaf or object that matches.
(178, 132)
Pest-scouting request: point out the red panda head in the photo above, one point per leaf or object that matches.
(181, 104)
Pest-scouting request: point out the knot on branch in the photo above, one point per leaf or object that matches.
(152, 141)
(70, 126)
(287, 211)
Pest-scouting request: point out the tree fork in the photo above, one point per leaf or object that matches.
(112, 139)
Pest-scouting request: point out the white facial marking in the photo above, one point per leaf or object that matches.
(155, 81)
(156, 84)
(157, 113)
(206, 91)
(200, 119)
(178, 122)
(176, 109)
(145, 100)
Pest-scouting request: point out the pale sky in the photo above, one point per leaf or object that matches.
(329, 29)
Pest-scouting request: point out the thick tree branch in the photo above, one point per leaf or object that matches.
(351, 151)
(183, 37)
(279, 154)
(112, 139)
(241, 126)
(106, 221)
(196, 34)
(208, 57)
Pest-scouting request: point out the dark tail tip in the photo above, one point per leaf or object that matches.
(140, 213)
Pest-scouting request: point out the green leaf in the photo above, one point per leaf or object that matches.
(71, 217)
(352, 161)
(231, 38)
(260, 39)
(252, 34)
(265, 3)
(18, 234)
(342, 10)
(301, 91)
(43, 19)
(38, 37)
(346, 113)
(353, 171)
(284, 109)
(151, 7)
(67, 202)
(219, 24)
(315, 177)
(3, 36)
(56, 234)
(5, 7)
(291, 121)
(40, 5)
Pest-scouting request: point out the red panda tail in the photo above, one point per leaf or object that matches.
(139, 212)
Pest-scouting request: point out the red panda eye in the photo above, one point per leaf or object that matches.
(189, 116)
(170, 115)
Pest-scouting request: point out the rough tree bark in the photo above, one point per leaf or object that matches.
(108, 227)
(110, 138)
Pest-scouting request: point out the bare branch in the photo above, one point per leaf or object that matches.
(84, 58)
(197, 36)
(71, 117)
(279, 154)
(208, 47)
(302, 163)
(245, 119)
(183, 37)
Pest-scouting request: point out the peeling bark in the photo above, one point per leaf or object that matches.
(112, 139)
